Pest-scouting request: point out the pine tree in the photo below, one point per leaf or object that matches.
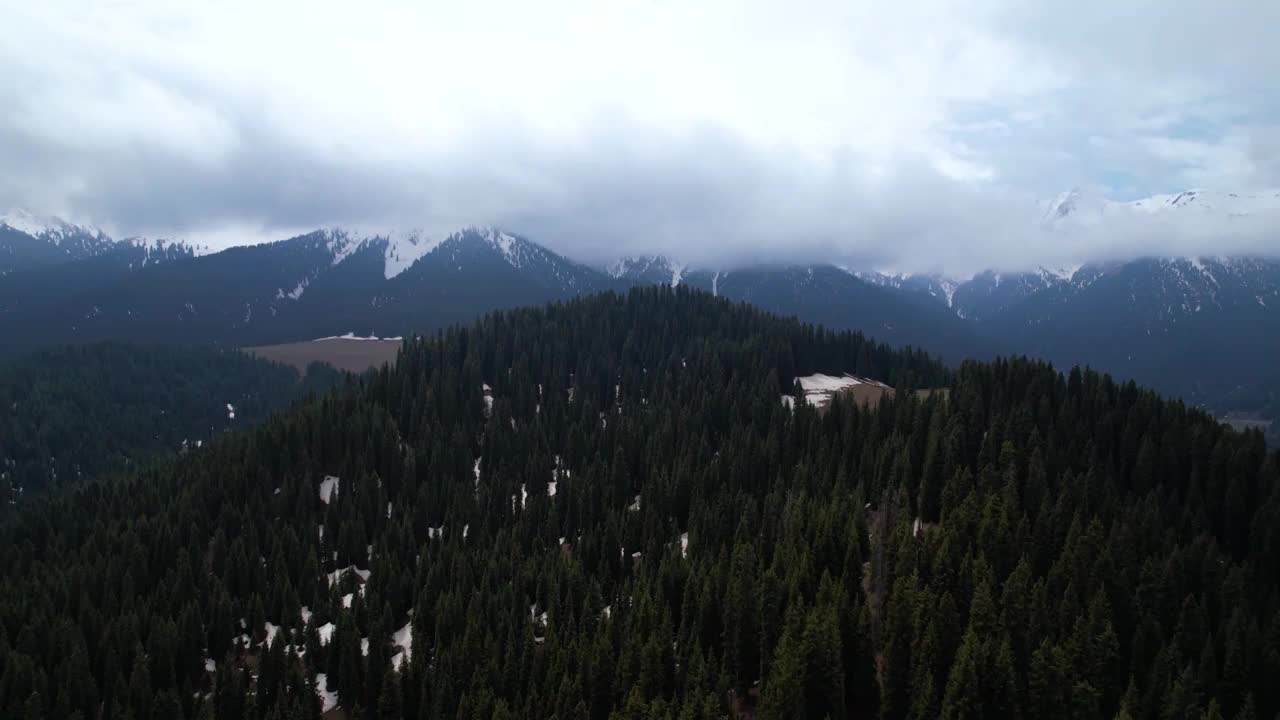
(390, 700)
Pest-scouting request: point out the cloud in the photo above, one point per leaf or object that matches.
(914, 136)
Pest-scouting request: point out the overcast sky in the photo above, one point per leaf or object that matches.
(901, 135)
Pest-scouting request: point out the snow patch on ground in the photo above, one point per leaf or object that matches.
(328, 488)
(296, 292)
(325, 632)
(403, 639)
(819, 388)
(819, 382)
(328, 698)
(539, 621)
(558, 473)
(353, 336)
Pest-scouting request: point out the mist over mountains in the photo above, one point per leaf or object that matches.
(1201, 327)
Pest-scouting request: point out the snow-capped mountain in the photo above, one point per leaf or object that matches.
(997, 290)
(500, 253)
(28, 240)
(71, 238)
(991, 292)
(31, 241)
(323, 283)
(647, 269)
(1091, 207)
(1152, 319)
(1197, 327)
(400, 248)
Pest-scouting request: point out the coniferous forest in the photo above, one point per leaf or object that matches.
(79, 412)
(603, 509)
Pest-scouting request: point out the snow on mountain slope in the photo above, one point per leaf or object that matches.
(404, 248)
(937, 286)
(53, 229)
(1075, 211)
(155, 250)
(650, 269)
(477, 247)
(400, 248)
(1187, 286)
(518, 252)
(81, 241)
(342, 243)
(1084, 207)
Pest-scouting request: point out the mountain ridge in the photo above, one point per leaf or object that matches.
(1125, 317)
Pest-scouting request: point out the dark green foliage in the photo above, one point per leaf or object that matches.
(80, 412)
(1053, 575)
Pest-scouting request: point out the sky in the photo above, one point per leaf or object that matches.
(916, 136)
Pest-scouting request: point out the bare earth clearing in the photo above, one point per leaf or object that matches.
(819, 389)
(351, 354)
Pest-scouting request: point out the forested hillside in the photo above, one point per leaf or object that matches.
(603, 509)
(78, 412)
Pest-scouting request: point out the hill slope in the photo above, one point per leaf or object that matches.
(81, 412)
(604, 510)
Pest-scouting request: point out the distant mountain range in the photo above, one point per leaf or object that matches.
(1205, 328)
(335, 281)
(1086, 207)
(1200, 327)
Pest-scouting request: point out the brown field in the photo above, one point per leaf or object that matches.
(867, 394)
(871, 394)
(351, 355)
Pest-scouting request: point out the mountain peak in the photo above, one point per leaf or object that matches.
(401, 248)
(1090, 206)
(51, 228)
(1076, 204)
(652, 269)
(514, 250)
